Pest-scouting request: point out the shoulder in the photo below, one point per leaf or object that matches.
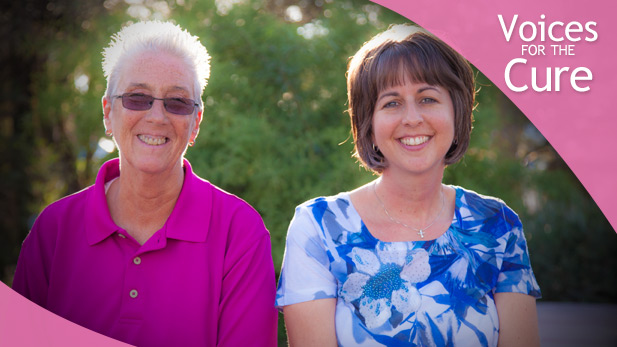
(319, 207)
(62, 217)
(472, 205)
(228, 209)
(228, 201)
(326, 218)
(487, 217)
(69, 206)
(221, 199)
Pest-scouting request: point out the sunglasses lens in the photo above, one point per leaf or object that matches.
(137, 102)
(142, 102)
(179, 106)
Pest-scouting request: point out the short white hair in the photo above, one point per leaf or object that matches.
(155, 36)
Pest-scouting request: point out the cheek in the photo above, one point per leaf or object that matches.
(118, 123)
(384, 128)
(377, 133)
(450, 124)
(379, 125)
(449, 121)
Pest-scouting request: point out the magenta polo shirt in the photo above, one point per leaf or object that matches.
(205, 279)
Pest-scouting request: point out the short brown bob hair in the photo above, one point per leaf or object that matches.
(399, 53)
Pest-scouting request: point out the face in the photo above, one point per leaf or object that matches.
(154, 140)
(413, 126)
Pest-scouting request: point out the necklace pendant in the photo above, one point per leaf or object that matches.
(421, 233)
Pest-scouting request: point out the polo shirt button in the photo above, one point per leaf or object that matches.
(137, 260)
(133, 293)
(122, 236)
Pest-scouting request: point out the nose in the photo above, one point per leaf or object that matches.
(157, 114)
(412, 116)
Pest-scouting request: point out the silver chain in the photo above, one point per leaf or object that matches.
(419, 231)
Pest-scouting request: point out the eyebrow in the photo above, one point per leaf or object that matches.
(427, 88)
(147, 86)
(395, 93)
(385, 95)
(140, 85)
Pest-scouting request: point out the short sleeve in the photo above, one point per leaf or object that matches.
(305, 274)
(516, 274)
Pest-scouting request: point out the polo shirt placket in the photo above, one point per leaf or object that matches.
(135, 290)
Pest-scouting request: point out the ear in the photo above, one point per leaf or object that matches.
(198, 119)
(106, 112)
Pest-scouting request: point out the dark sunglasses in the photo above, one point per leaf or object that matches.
(142, 102)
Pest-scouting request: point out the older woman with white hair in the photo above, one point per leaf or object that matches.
(151, 254)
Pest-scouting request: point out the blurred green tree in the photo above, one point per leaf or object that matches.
(40, 137)
(275, 131)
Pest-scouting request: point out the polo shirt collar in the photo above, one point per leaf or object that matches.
(189, 220)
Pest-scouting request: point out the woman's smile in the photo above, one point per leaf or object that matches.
(414, 140)
(153, 140)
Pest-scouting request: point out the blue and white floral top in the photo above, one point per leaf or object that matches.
(417, 293)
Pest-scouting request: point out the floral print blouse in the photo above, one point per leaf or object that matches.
(418, 293)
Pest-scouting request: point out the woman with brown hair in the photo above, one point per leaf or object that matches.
(406, 259)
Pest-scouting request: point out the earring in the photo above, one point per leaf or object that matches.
(378, 155)
(191, 143)
(108, 132)
(455, 141)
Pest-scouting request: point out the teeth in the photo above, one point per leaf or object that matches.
(152, 140)
(414, 141)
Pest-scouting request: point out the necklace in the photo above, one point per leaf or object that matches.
(419, 231)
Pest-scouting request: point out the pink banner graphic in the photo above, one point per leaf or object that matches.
(23, 323)
(570, 44)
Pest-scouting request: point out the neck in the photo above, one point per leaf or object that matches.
(411, 197)
(148, 193)
(410, 187)
(141, 202)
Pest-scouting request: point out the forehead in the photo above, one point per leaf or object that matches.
(158, 72)
(395, 71)
(419, 60)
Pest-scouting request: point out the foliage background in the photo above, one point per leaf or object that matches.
(274, 132)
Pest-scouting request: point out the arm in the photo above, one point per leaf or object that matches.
(311, 323)
(518, 320)
(517, 290)
(247, 316)
(307, 288)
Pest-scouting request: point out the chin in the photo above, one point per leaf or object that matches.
(151, 165)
